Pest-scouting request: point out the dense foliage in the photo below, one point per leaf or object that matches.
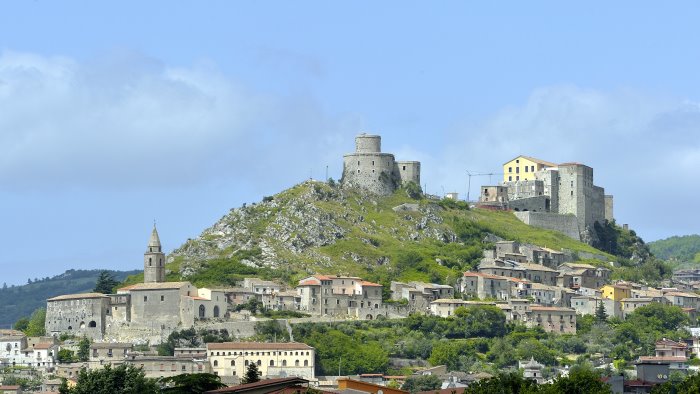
(579, 381)
(478, 339)
(122, 379)
(33, 326)
(190, 383)
(18, 301)
(681, 249)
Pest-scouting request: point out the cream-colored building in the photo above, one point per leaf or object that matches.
(553, 319)
(230, 360)
(447, 307)
(523, 168)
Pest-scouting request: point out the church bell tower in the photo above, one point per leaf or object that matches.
(154, 260)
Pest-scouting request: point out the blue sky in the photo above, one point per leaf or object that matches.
(113, 115)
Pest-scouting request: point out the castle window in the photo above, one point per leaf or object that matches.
(149, 261)
(358, 170)
(145, 298)
(372, 162)
(572, 193)
(404, 168)
(358, 162)
(162, 298)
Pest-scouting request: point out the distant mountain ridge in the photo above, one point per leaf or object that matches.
(18, 301)
(678, 249)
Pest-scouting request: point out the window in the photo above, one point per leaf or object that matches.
(306, 363)
(526, 168)
(517, 178)
(259, 363)
(510, 169)
(404, 168)
(517, 170)
(510, 178)
(372, 162)
(246, 363)
(149, 261)
(216, 363)
(162, 298)
(284, 363)
(532, 168)
(272, 363)
(296, 363)
(145, 298)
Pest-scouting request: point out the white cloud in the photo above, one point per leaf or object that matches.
(126, 120)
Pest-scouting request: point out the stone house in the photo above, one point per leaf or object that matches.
(553, 319)
(229, 360)
(575, 276)
(682, 299)
(532, 272)
(483, 286)
(324, 295)
(283, 300)
(532, 370)
(588, 305)
(259, 286)
(670, 357)
(238, 295)
(419, 295)
(629, 305)
(109, 352)
(447, 307)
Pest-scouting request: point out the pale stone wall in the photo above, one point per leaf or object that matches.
(532, 204)
(371, 171)
(524, 189)
(80, 316)
(567, 224)
(609, 215)
(408, 171)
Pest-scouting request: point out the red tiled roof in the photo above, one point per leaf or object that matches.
(261, 384)
(365, 283)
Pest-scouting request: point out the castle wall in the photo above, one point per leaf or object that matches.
(408, 171)
(371, 171)
(524, 189)
(567, 224)
(77, 316)
(158, 307)
(365, 143)
(533, 204)
(609, 207)
(550, 182)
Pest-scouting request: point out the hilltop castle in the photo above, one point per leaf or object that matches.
(560, 197)
(370, 169)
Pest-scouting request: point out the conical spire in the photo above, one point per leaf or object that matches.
(154, 242)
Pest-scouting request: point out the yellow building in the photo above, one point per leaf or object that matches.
(523, 168)
(616, 292)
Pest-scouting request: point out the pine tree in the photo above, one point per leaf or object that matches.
(252, 375)
(600, 313)
(105, 283)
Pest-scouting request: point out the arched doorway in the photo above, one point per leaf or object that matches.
(216, 311)
(202, 311)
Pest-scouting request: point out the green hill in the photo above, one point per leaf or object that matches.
(317, 227)
(19, 301)
(683, 249)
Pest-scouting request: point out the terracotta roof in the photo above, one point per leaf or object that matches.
(77, 296)
(156, 286)
(365, 283)
(258, 385)
(9, 387)
(200, 298)
(551, 308)
(258, 346)
(44, 345)
(483, 275)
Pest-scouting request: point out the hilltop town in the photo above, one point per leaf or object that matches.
(519, 284)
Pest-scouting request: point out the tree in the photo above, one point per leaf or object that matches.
(600, 313)
(194, 383)
(65, 356)
(123, 379)
(252, 375)
(21, 324)
(37, 323)
(84, 349)
(422, 383)
(579, 381)
(105, 283)
(511, 383)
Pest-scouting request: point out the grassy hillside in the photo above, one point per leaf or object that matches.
(19, 301)
(683, 249)
(315, 227)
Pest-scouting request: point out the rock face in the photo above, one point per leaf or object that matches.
(293, 227)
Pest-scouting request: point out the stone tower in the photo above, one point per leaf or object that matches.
(154, 260)
(377, 172)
